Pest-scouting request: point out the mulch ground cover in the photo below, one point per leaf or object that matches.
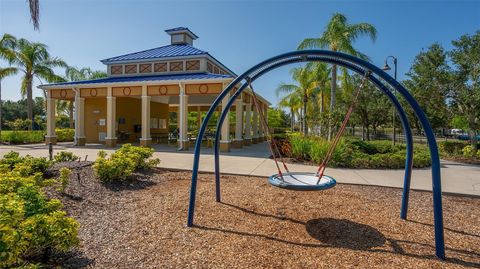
(142, 224)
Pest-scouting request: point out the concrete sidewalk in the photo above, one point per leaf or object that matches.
(253, 160)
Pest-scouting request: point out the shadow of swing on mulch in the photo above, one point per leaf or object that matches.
(342, 233)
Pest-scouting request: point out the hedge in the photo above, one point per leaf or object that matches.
(30, 137)
(352, 153)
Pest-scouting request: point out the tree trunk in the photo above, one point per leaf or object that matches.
(474, 141)
(70, 114)
(368, 133)
(292, 121)
(305, 100)
(332, 99)
(363, 132)
(353, 130)
(322, 110)
(30, 101)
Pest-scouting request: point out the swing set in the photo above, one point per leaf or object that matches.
(301, 181)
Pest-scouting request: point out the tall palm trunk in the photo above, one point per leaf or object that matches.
(70, 114)
(292, 122)
(30, 101)
(322, 110)
(332, 99)
(305, 100)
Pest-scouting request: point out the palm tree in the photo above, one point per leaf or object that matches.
(320, 73)
(339, 36)
(293, 103)
(34, 60)
(75, 74)
(7, 45)
(304, 86)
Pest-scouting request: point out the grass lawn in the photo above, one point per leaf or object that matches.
(142, 224)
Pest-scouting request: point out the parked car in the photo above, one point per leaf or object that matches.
(466, 137)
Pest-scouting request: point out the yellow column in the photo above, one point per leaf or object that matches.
(146, 139)
(111, 139)
(50, 137)
(225, 139)
(79, 119)
(238, 141)
(184, 143)
(255, 125)
(248, 122)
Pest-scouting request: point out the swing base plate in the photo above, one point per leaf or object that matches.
(302, 181)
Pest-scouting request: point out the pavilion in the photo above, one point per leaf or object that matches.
(142, 88)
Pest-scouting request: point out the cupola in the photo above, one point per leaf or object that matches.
(181, 36)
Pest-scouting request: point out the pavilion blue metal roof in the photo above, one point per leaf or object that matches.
(156, 53)
(191, 76)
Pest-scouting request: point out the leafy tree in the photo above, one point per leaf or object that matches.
(371, 109)
(277, 118)
(12, 110)
(429, 82)
(459, 122)
(304, 85)
(466, 91)
(339, 35)
(34, 60)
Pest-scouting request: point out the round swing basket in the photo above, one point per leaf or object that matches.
(302, 181)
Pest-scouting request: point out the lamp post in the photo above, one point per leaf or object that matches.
(386, 67)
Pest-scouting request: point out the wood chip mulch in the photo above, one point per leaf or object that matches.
(142, 224)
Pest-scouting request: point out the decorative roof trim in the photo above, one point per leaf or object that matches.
(181, 30)
(142, 80)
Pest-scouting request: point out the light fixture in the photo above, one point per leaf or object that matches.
(386, 67)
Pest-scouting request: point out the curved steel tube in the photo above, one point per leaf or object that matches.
(305, 55)
(378, 83)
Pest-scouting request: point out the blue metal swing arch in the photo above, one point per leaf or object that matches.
(359, 66)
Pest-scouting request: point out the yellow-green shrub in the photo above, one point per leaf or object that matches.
(30, 223)
(65, 156)
(65, 135)
(123, 162)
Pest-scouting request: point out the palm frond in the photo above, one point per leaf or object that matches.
(35, 13)
(284, 88)
(8, 71)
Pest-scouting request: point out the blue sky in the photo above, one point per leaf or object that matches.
(238, 33)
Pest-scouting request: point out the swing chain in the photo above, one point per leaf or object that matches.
(273, 149)
(328, 156)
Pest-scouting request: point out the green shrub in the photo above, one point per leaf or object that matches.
(300, 146)
(63, 179)
(22, 137)
(27, 165)
(65, 135)
(30, 223)
(451, 148)
(123, 162)
(355, 153)
(117, 168)
(65, 156)
(140, 155)
(467, 151)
